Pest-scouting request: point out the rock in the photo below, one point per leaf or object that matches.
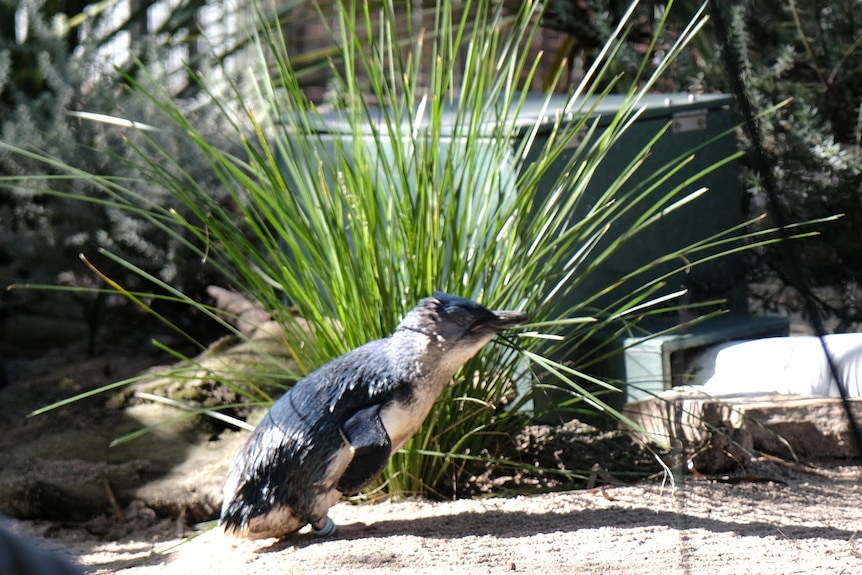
(810, 427)
(60, 468)
(67, 464)
(100, 454)
(727, 451)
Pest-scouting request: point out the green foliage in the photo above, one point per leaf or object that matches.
(45, 223)
(808, 54)
(420, 189)
(354, 228)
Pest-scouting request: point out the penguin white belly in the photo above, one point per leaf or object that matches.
(402, 420)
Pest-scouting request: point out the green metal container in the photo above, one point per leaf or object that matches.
(703, 122)
(694, 121)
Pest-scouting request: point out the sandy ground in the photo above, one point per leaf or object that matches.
(804, 523)
(811, 523)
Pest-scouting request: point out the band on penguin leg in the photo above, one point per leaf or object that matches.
(326, 530)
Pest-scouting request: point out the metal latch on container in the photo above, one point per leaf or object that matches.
(689, 121)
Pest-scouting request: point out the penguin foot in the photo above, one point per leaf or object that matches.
(326, 527)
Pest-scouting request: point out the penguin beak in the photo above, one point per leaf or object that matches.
(506, 319)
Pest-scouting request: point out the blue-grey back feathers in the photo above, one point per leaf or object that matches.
(327, 435)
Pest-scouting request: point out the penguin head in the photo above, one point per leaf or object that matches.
(453, 321)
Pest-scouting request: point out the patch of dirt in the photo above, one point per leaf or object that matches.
(776, 519)
(808, 524)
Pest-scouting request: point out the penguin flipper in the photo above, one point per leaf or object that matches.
(371, 449)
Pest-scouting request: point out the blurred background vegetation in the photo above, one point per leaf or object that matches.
(60, 56)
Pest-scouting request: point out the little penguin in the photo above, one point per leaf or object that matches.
(334, 430)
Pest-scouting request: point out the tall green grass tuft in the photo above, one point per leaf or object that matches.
(412, 182)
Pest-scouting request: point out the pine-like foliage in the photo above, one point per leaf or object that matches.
(45, 225)
(811, 53)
